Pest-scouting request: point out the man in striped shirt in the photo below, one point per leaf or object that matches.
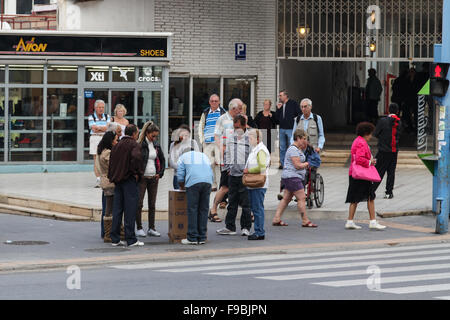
(206, 127)
(98, 122)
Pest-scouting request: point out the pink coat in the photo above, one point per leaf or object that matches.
(360, 153)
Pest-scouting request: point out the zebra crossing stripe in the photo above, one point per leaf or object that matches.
(301, 262)
(355, 272)
(155, 265)
(332, 266)
(385, 280)
(417, 289)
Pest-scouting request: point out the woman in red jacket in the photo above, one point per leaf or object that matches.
(362, 190)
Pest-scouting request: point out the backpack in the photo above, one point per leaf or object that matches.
(312, 157)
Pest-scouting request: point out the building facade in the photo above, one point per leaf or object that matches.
(319, 49)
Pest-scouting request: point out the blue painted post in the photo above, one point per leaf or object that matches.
(441, 177)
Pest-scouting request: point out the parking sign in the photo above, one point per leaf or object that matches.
(240, 51)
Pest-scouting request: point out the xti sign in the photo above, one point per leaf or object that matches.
(97, 76)
(240, 51)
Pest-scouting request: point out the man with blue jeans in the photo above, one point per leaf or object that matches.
(287, 110)
(195, 174)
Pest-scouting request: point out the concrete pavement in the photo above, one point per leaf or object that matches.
(413, 190)
(65, 243)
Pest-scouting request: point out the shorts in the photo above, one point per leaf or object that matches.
(224, 177)
(292, 184)
(94, 140)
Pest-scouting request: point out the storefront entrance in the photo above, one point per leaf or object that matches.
(47, 95)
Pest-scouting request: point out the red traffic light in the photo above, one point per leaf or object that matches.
(437, 71)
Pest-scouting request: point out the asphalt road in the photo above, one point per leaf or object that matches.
(420, 271)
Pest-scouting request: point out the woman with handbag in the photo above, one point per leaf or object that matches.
(256, 180)
(362, 174)
(292, 177)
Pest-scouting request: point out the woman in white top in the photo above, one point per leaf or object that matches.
(258, 162)
(154, 165)
(119, 117)
(182, 143)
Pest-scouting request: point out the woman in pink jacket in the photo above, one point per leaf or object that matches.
(362, 190)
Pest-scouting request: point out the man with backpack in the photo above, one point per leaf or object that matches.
(387, 132)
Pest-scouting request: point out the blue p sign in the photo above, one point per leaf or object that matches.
(240, 51)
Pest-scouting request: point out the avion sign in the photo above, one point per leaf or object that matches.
(30, 46)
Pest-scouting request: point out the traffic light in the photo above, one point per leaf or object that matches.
(438, 80)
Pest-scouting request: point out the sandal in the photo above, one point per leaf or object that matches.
(214, 217)
(280, 224)
(309, 224)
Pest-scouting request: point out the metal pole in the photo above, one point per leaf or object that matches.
(441, 177)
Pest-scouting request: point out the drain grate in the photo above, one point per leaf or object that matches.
(26, 243)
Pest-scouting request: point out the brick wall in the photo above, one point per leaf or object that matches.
(205, 33)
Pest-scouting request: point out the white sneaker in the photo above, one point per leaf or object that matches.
(352, 226)
(119, 244)
(245, 232)
(225, 231)
(153, 233)
(140, 233)
(137, 244)
(186, 241)
(376, 226)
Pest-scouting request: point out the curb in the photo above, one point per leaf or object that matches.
(405, 213)
(43, 265)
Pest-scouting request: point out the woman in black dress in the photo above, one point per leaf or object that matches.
(266, 121)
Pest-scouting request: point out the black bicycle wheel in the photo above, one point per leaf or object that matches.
(319, 192)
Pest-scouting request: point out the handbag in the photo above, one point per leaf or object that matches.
(362, 173)
(254, 180)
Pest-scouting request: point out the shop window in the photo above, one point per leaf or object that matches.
(149, 108)
(150, 74)
(61, 124)
(26, 74)
(62, 75)
(2, 124)
(97, 74)
(123, 74)
(2, 73)
(178, 103)
(203, 89)
(26, 118)
(235, 88)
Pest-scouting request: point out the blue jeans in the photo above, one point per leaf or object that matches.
(256, 197)
(198, 207)
(126, 198)
(285, 142)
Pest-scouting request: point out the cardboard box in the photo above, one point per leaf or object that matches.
(178, 216)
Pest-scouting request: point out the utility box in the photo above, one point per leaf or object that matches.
(178, 216)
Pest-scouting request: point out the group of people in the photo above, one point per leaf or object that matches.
(129, 164)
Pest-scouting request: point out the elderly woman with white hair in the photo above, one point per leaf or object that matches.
(119, 117)
(182, 143)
